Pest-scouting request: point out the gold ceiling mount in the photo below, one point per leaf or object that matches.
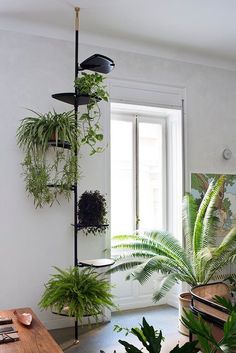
(77, 10)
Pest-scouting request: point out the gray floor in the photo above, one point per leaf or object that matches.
(102, 337)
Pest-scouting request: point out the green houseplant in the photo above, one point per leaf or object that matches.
(159, 251)
(44, 168)
(79, 292)
(34, 136)
(93, 86)
(151, 340)
(92, 211)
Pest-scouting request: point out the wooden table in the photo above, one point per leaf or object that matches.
(33, 339)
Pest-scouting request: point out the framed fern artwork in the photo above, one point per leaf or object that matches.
(225, 210)
(226, 203)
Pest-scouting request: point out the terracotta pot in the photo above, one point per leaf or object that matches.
(184, 304)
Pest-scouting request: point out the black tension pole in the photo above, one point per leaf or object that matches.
(77, 9)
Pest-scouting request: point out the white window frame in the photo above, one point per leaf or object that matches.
(149, 117)
(144, 94)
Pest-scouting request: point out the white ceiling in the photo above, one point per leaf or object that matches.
(190, 30)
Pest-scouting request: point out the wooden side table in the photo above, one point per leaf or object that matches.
(33, 339)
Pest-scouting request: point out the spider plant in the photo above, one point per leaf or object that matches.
(36, 131)
(82, 292)
(159, 251)
(35, 135)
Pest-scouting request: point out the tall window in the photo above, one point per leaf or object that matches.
(138, 168)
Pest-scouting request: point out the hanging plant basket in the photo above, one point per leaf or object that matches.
(92, 211)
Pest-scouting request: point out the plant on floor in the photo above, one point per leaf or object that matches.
(92, 211)
(159, 251)
(79, 292)
(151, 340)
(203, 332)
(45, 167)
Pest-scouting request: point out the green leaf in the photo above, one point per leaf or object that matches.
(189, 347)
(130, 348)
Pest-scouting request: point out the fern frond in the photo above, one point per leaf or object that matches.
(124, 266)
(210, 221)
(190, 209)
(163, 265)
(166, 285)
(197, 233)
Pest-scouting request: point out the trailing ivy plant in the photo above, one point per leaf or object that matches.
(92, 85)
(59, 169)
(79, 292)
(92, 211)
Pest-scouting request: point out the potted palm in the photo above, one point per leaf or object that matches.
(77, 292)
(159, 251)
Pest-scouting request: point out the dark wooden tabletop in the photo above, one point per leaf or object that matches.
(32, 339)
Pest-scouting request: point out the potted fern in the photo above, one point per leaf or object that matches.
(51, 141)
(78, 293)
(159, 251)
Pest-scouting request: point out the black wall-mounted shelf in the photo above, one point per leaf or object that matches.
(97, 226)
(72, 98)
(96, 263)
(59, 186)
(64, 312)
(61, 144)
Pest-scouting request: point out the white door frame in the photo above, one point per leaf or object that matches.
(145, 94)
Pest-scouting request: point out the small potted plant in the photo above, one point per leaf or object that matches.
(92, 211)
(78, 293)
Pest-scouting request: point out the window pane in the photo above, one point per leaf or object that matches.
(150, 176)
(121, 177)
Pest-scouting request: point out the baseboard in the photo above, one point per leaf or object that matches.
(145, 302)
(173, 301)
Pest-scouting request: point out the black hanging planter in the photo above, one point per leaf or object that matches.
(92, 211)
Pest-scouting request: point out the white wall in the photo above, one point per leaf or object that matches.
(31, 69)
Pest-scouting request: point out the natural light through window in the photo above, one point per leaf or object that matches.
(138, 168)
(150, 175)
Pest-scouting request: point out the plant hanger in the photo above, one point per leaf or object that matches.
(86, 96)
